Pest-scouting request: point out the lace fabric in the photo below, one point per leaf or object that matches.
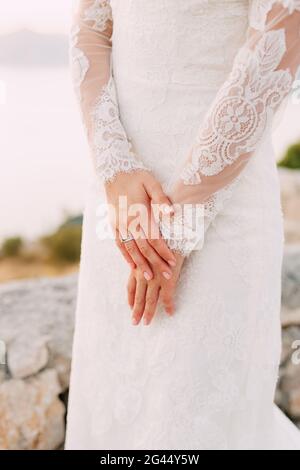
(91, 35)
(262, 76)
(205, 378)
(261, 8)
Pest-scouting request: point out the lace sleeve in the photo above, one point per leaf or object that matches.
(261, 77)
(94, 84)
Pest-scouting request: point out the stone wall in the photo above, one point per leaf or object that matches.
(290, 196)
(288, 392)
(36, 323)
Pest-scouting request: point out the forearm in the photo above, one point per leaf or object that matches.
(91, 47)
(243, 109)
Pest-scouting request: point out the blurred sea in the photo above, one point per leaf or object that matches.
(43, 154)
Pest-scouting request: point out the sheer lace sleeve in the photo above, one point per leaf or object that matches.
(261, 77)
(92, 76)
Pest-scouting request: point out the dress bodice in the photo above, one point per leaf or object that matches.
(172, 55)
(188, 42)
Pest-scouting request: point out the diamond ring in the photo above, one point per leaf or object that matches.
(127, 240)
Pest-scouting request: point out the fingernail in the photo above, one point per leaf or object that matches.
(167, 275)
(146, 321)
(134, 321)
(147, 276)
(172, 263)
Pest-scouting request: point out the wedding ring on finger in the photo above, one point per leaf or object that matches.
(127, 239)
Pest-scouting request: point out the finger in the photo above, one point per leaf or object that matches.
(152, 297)
(167, 298)
(139, 301)
(162, 249)
(157, 195)
(153, 257)
(151, 232)
(160, 205)
(131, 289)
(139, 259)
(124, 252)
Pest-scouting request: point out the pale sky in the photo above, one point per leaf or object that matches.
(39, 15)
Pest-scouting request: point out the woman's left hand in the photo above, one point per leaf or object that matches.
(143, 296)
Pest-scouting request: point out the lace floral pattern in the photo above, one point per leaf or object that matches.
(260, 9)
(189, 226)
(239, 115)
(113, 152)
(99, 13)
(90, 56)
(204, 378)
(185, 231)
(244, 106)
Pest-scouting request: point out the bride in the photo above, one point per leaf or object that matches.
(177, 340)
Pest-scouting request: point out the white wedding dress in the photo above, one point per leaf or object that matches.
(204, 378)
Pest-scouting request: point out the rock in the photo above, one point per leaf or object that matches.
(288, 389)
(290, 378)
(36, 328)
(286, 350)
(36, 323)
(290, 196)
(295, 403)
(2, 374)
(290, 317)
(26, 358)
(62, 366)
(291, 277)
(31, 415)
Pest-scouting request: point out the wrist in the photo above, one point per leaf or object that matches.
(184, 232)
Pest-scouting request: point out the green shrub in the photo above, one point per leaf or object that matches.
(12, 247)
(65, 244)
(292, 158)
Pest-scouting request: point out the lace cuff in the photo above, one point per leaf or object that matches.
(111, 149)
(184, 232)
(262, 76)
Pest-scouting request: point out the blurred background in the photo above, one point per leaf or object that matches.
(42, 147)
(44, 172)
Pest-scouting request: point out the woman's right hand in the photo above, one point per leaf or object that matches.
(143, 296)
(131, 195)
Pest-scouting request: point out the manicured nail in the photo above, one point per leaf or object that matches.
(146, 321)
(172, 263)
(147, 276)
(167, 275)
(134, 321)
